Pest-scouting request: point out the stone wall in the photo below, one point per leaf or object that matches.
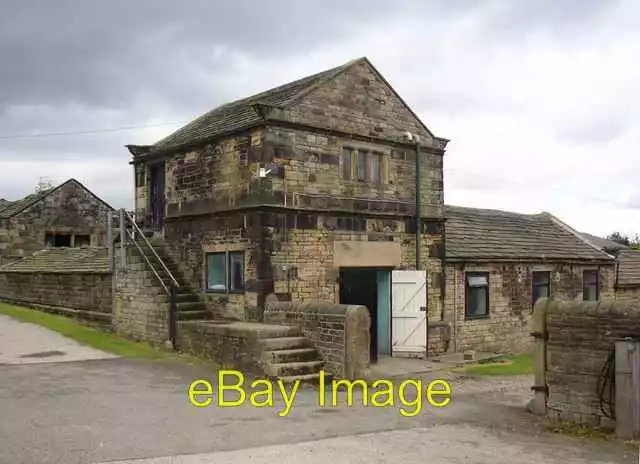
(69, 209)
(339, 332)
(506, 329)
(580, 337)
(294, 255)
(629, 294)
(141, 307)
(86, 294)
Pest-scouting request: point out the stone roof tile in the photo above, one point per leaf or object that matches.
(62, 260)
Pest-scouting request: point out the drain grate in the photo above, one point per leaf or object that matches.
(43, 354)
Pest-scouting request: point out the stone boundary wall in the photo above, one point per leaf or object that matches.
(339, 332)
(580, 335)
(86, 295)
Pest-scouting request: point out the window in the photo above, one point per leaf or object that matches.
(225, 271)
(81, 241)
(590, 285)
(375, 167)
(346, 163)
(540, 285)
(361, 165)
(140, 175)
(477, 290)
(52, 239)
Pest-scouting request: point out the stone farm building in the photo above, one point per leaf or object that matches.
(331, 216)
(498, 263)
(68, 215)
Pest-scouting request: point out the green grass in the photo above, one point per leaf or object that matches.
(87, 335)
(506, 365)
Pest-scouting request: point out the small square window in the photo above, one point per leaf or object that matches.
(80, 241)
(225, 271)
(477, 295)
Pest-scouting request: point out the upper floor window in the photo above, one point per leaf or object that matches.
(590, 285)
(361, 165)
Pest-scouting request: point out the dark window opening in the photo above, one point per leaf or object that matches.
(361, 165)
(590, 285)
(81, 241)
(141, 176)
(375, 166)
(346, 163)
(352, 224)
(57, 240)
(540, 285)
(225, 271)
(477, 295)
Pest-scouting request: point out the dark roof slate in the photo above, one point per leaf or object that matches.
(240, 113)
(14, 207)
(486, 234)
(62, 260)
(603, 243)
(629, 267)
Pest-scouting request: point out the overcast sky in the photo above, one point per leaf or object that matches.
(541, 99)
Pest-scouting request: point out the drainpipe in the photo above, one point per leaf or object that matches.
(418, 228)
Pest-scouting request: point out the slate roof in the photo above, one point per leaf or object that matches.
(486, 234)
(12, 208)
(629, 267)
(240, 113)
(604, 243)
(62, 260)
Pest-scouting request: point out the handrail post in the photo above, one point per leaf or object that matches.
(123, 238)
(173, 317)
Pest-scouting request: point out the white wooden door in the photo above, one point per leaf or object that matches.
(409, 312)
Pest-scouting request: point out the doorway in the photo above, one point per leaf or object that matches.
(370, 287)
(157, 196)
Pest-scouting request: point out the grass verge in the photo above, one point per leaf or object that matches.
(87, 335)
(506, 365)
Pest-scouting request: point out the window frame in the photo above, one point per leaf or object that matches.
(595, 272)
(227, 271)
(361, 165)
(346, 163)
(467, 287)
(534, 285)
(375, 175)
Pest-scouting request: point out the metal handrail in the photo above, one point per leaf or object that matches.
(149, 264)
(164, 267)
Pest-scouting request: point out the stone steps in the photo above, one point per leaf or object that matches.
(195, 315)
(284, 343)
(289, 356)
(292, 369)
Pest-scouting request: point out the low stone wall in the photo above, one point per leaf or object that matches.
(83, 294)
(580, 336)
(339, 332)
(141, 307)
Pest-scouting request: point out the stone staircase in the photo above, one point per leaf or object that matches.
(190, 306)
(290, 357)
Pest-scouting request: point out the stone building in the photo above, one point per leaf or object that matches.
(498, 263)
(68, 215)
(306, 191)
(627, 277)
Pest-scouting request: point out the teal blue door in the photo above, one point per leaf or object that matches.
(384, 312)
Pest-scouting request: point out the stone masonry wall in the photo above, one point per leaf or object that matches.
(71, 209)
(141, 306)
(506, 329)
(630, 294)
(339, 332)
(82, 291)
(580, 337)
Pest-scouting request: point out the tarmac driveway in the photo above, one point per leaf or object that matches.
(87, 407)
